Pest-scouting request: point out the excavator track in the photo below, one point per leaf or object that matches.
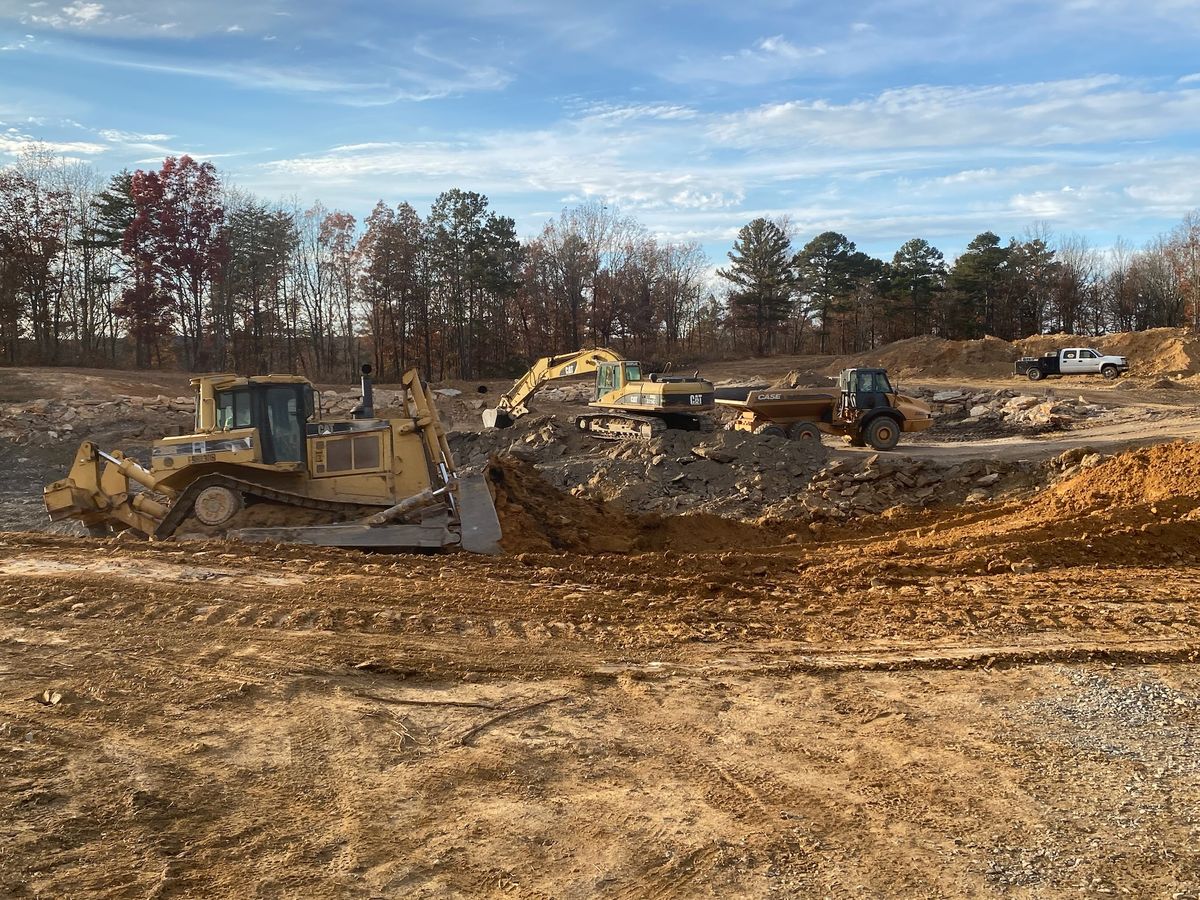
(181, 509)
(619, 427)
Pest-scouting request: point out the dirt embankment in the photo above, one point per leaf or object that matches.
(992, 700)
(1158, 352)
(535, 516)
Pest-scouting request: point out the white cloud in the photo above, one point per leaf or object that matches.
(995, 157)
(631, 112)
(14, 142)
(75, 15)
(84, 13)
(1076, 111)
(780, 47)
(132, 137)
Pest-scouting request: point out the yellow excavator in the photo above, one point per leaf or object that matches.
(628, 404)
(263, 464)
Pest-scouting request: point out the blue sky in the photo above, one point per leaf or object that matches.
(883, 120)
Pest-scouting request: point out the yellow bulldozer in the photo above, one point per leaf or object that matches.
(628, 404)
(264, 464)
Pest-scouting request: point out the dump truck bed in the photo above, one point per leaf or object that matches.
(789, 405)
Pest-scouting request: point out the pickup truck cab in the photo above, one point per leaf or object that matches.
(1071, 361)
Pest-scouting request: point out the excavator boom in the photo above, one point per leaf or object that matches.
(513, 402)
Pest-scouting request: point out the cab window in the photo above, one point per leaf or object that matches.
(633, 372)
(285, 425)
(1068, 354)
(233, 409)
(873, 382)
(1087, 354)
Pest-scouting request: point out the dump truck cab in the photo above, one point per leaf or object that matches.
(876, 411)
(865, 389)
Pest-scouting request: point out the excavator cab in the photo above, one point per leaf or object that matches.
(612, 376)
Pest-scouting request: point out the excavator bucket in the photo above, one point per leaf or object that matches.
(496, 418)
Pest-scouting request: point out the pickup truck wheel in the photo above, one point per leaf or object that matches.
(1034, 374)
(1109, 372)
(882, 433)
(805, 431)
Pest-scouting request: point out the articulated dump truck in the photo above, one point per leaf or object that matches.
(864, 408)
(263, 464)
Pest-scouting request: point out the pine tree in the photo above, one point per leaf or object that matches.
(763, 279)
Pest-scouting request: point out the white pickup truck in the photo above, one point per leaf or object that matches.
(1071, 361)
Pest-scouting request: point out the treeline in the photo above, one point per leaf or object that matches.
(828, 296)
(174, 268)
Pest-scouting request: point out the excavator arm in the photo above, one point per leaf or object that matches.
(548, 368)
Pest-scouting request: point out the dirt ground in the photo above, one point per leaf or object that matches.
(999, 699)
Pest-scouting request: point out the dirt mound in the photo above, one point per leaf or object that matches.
(1147, 475)
(535, 516)
(1156, 351)
(936, 357)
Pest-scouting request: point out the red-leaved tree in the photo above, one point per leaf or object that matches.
(176, 239)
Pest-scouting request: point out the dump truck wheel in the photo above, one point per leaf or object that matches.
(772, 429)
(882, 433)
(1109, 372)
(805, 431)
(216, 505)
(1034, 374)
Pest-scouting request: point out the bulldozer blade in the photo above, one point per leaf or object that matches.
(497, 418)
(361, 537)
(477, 516)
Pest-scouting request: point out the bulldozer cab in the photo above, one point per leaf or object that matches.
(612, 376)
(864, 389)
(280, 413)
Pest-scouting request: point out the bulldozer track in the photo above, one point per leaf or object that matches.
(182, 507)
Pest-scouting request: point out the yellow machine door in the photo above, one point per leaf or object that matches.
(285, 418)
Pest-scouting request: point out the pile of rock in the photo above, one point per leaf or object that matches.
(729, 473)
(743, 476)
(961, 409)
(1072, 462)
(46, 422)
(847, 488)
